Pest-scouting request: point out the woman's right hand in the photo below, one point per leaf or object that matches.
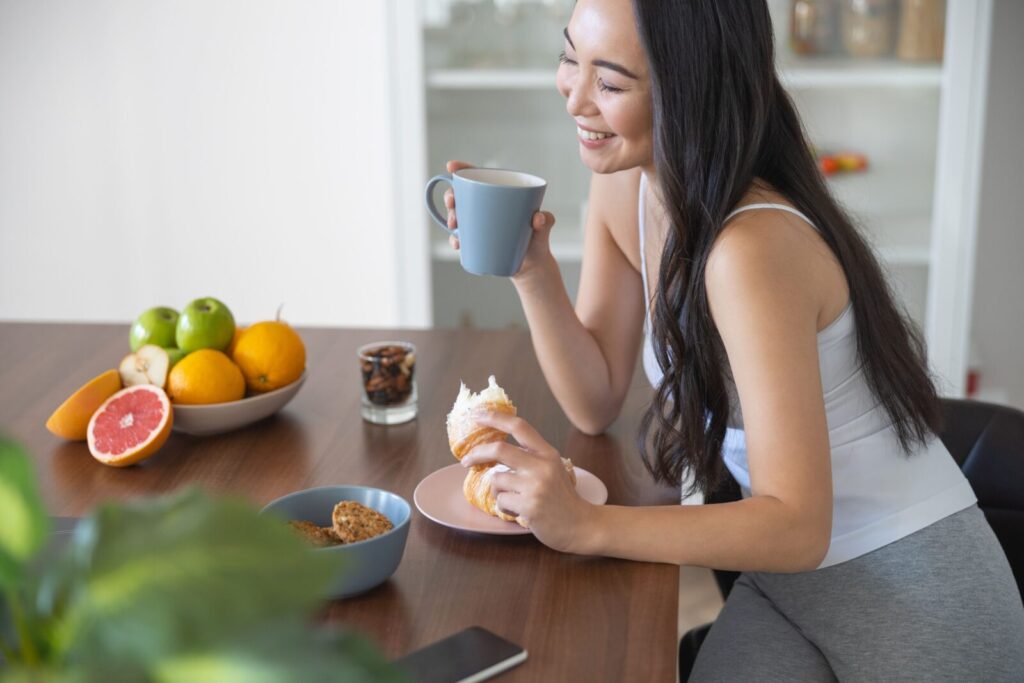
(539, 249)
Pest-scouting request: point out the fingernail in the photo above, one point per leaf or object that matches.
(480, 414)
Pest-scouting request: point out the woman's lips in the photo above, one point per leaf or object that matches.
(592, 139)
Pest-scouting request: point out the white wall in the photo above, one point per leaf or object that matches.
(153, 152)
(998, 311)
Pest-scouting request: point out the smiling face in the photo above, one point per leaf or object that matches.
(605, 79)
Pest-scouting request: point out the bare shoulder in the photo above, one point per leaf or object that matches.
(612, 205)
(778, 258)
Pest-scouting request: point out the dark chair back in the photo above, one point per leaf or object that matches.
(987, 441)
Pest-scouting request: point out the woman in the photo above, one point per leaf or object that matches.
(776, 351)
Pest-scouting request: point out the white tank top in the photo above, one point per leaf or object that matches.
(880, 494)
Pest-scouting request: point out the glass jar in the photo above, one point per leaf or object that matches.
(869, 27)
(388, 373)
(813, 25)
(922, 30)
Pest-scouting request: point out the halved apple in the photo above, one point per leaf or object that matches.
(148, 365)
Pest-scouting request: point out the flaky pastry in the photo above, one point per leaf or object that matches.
(463, 432)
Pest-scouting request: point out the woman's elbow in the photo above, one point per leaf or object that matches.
(816, 555)
(591, 427)
(595, 421)
(813, 548)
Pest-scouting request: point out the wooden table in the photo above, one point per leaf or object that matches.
(580, 618)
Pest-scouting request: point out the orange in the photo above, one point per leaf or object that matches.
(130, 426)
(71, 420)
(205, 376)
(271, 355)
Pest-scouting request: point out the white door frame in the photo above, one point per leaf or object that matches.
(957, 189)
(408, 148)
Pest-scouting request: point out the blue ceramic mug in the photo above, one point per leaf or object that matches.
(495, 211)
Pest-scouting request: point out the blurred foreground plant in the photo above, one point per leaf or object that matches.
(177, 588)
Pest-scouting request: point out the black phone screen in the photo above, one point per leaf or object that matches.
(474, 654)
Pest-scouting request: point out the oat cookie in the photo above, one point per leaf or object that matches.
(321, 536)
(356, 522)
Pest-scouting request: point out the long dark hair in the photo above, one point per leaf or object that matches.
(721, 120)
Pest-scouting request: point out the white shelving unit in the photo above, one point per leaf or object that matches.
(919, 125)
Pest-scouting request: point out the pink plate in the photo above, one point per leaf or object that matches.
(439, 497)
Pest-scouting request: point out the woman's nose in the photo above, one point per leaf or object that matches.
(577, 99)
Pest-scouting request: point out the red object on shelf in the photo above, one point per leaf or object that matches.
(842, 162)
(973, 380)
(828, 165)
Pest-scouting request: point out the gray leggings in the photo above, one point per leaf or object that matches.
(938, 605)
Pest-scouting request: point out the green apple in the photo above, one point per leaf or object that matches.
(173, 356)
(156, 326)
(204, 324)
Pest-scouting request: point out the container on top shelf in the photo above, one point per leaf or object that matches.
(868, 29)
(922, 30)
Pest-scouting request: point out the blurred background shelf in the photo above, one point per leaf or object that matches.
(491, 79)
(838, 73)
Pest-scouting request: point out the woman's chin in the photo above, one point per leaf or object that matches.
(604, 163)
(599, 165)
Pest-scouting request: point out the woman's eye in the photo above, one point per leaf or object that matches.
(607, 88)
(564, 59)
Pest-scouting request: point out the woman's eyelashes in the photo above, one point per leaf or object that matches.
(607, 88)
(604, 87)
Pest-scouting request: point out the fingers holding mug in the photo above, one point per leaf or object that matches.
(455, 165)
(543, 220)
(449, 203)
(449, 199)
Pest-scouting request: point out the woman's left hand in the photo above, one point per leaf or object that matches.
(538, 489)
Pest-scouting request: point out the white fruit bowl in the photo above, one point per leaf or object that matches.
(215, 418)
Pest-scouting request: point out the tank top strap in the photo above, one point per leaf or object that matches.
(640, 223)
(643, 251)
(780, 207)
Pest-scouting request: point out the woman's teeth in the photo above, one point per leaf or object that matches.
(592, 135)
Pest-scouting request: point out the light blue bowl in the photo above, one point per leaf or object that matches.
(367, 563)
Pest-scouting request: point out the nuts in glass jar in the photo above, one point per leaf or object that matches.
(388, 371)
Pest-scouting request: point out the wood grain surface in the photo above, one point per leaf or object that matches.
(580, 618)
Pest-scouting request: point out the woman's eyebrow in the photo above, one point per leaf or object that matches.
(565, 32)
(604, 62)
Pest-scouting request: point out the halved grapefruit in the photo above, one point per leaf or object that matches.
(71, 420)
(130, 426)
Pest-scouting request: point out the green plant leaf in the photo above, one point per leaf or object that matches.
(24, 674)
(282, 653)
(143, 581)
(24, 524)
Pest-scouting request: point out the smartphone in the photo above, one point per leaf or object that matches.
(474, 654)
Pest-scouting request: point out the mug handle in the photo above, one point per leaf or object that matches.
(432, 208)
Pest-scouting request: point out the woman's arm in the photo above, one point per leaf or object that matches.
(765, 299)
(588, 354)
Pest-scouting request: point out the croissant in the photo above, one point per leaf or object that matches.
(478, 490)
(463, 433)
